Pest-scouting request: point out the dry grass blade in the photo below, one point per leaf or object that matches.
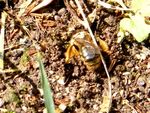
(41, 5)
(122, 4)
(87, 26)
(125, 101)
(109, 6)
(2, 35)
(23, 7)
(8, 71)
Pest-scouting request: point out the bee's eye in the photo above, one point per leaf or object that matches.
(76, 47)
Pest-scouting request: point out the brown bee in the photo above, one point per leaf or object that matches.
(82, 45)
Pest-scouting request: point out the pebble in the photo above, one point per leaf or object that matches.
(95, 107)
(18, 110)
(141, 89)
(23, 40)
(1, 102)
(24, 108)
(126, 73)
(56, 17)
(51, 72)
(141, 81)
(141, 56)
(61, 11)
(130, 64)
(62, 107)
(61, 81)
(148, 65)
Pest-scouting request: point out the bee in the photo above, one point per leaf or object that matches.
(82, 45)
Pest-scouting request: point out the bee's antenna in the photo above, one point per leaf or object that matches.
(87, 26)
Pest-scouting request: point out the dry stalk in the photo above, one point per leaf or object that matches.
(127, 103)
(109, 6)
(44, 3)
(2, 36)
(87, 26)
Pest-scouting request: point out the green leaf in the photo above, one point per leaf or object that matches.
(137, 4)
(141, 6)
(145, 11)
(49, 103)
(126, 24)
(136, 26)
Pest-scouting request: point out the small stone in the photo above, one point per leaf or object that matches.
(1, 102)
(142, 89)
(148, 65)
(51, 72)
(138, 56)
(18, 110)
(62, 107)
(56, 17)
(130, 65)
(96, 107)
(143, 56)
(141, 81)
(24, 108)
(61, 81)
(35, 65)
(126, 73)
(23, 40)
(61, 11)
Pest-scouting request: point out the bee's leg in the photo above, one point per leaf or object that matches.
(71, 52)
(103, 45)
(68, 54)
(113, 62)
(75, 52)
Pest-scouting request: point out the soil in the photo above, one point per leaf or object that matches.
(75, 88)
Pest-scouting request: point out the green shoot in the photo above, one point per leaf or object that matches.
(49, 103)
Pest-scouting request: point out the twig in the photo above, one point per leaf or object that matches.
(86, 25)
